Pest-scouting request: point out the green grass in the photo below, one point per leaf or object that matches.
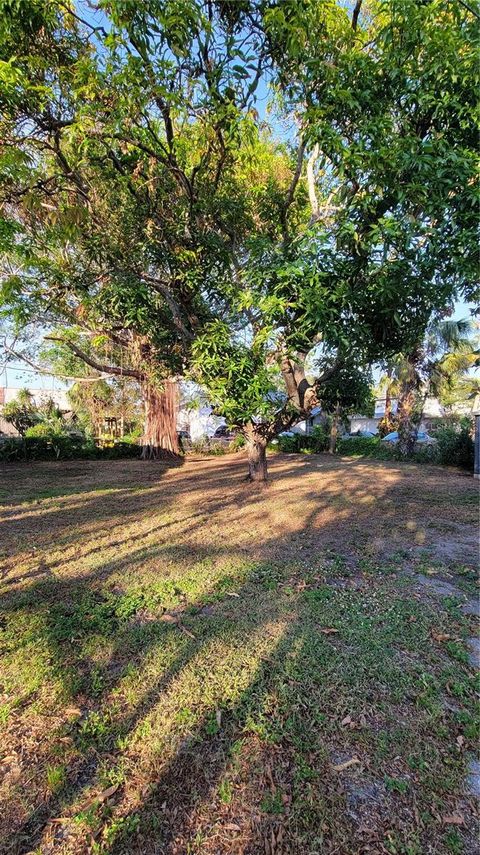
(182, 693)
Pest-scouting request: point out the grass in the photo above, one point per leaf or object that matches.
(190, 666)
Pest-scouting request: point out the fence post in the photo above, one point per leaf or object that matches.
(476, 468)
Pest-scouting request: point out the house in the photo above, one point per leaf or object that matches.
(197, 417)
(433, 412)
(40, 397)
(198, 421)
(305, 427)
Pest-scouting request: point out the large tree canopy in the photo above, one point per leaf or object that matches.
(146, 199)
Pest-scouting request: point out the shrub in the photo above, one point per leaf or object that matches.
(44, 430)
(215, 447)
(290, 444)
(54, 446)
(320, 437)
(237, 442)
(133, 436)
(12, 448)
(298, 443)
(200, 445)
(455, 446)
(120, 449)
(367, 446)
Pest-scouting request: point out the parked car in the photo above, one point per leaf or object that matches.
(368, 434)
(422, 437)
(223, 433)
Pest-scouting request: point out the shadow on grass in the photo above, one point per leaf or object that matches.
(63, 614)
(235, 612)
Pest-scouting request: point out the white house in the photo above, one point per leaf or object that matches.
(306, 426)
(432, 410)
(199, 421)
(40, 397)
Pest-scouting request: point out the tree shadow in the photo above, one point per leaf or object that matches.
(72, 612)
(66, 610)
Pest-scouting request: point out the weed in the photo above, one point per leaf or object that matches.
(56, 778)
(272, 802)
(225, 792)
(396, 785)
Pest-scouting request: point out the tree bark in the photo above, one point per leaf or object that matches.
(334, 430)
(409, 411)
(257, 455)
(160, 438)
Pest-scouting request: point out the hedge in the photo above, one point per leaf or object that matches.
(454, 447)
(63, 447)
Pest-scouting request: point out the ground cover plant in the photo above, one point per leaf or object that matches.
(191, 667)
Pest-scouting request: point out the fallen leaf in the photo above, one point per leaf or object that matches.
(168, 618)
(346, 720)
(328, 630)
(341, 766)
(218, 716)
(440, 636)
(232, 594)
(454, 819)
(102, 797)
(460, 741)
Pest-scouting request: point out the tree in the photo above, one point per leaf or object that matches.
(92, 403)
(347, 391)
(388, 167)
(110, 232)
(21, 412)
(124, 358)
(446, 353)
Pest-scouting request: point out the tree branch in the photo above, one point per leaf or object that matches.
(356, 13)
(165, 291)
(312, 195)
(291, 191)
(23, 358)
(94, 363)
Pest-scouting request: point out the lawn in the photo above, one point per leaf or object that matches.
(194, 665)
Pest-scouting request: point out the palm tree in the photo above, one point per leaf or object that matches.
(446, 353)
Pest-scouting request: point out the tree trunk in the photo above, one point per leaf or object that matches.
(160, 438)
(257, 455)
(388, 404)
(409, 412)
(334, 430)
